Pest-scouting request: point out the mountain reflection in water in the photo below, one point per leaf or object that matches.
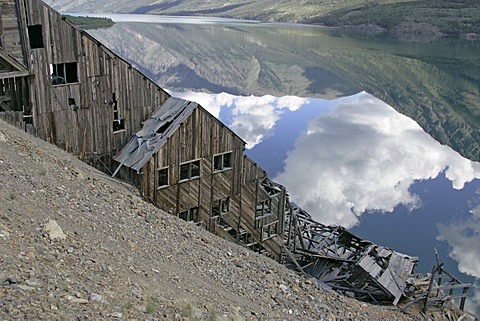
(344, 160)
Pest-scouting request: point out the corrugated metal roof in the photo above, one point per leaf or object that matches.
(154, 133)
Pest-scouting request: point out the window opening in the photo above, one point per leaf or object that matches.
(72, 104)
(222, 162)
(65, 73)
(118, 123)
(221, 206)
(35, 36)
(189, 215)
(190, 170)
(270, 230)
(263, 208)
(163, 177)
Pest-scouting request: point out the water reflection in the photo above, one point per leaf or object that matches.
(345, 158)
(434, 83)
(252, 118)
(464, 238)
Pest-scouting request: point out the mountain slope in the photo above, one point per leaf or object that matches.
(117, 257)
(461, 17)
(429, 83)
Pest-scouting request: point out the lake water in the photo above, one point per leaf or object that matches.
(304, 99)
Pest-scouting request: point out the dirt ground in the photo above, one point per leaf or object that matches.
(76, 244)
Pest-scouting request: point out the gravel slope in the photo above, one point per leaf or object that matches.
(118, 257)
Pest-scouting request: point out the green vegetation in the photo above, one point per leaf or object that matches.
(212, 315)
(151, 305)
(187, 310)
(455, 18)
(90, 22)
(445, 16)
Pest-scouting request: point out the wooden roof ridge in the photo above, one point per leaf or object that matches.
(154, 133)
(223, 124)
(9, 67)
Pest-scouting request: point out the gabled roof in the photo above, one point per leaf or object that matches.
(155, 132)
(9, 67)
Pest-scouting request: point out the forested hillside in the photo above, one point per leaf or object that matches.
(459, 17)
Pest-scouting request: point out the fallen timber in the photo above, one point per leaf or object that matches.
(344, 262)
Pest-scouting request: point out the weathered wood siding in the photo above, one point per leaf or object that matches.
(199, 138)
(10, 31)
(88, 101)
(78, 116)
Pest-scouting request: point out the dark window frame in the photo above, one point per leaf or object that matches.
(221, 206)
(35, 36)
(189, 215)
(222, 162)
(190, 170)
(118, 124)
(163, 178)
(64, 73)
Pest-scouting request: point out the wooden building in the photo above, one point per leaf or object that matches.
(74, 92)
(81, 96)
(60, 84)
(190, 164)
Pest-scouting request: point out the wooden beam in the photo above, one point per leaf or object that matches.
(13, 74)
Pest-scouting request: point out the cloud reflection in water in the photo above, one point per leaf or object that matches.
(365, 156)
(252, 118)
(464, 241)
(359, 155)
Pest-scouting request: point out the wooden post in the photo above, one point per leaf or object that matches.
(464, 296)
(430, 286)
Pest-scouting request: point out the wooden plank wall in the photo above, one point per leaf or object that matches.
(16, 89)
(201, 137)
(87, 128)
(10, 32)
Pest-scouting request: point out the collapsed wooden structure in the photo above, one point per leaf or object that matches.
(342, 261)
(345, 262)
(64, 86)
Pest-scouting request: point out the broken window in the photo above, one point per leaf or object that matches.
(222, 162)
(190, 170)
(263, 208)
(65, 73)
(189, 215)
(163, 177)
(35, 35)
(72, 104)
(270, 230)
(118, 123)
(221, 206)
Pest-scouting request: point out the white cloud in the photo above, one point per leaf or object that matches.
(464, 239)
(473, 303)
(212, 103)
(364, 155)
(253, 118)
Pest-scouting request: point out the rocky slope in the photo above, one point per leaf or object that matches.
(79, 245)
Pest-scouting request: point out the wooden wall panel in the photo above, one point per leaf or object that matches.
(11, 35)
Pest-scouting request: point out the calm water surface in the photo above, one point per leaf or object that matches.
(353, 159)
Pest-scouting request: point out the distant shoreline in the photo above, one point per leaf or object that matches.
(420, 30)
